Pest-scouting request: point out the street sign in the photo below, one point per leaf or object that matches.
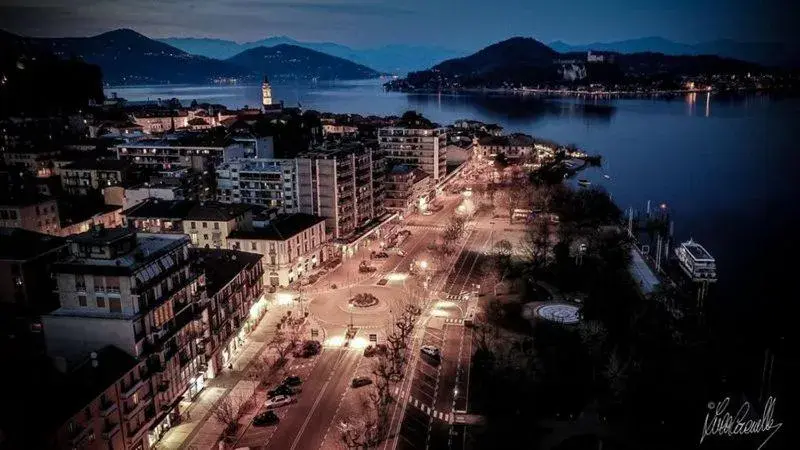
(373, 338)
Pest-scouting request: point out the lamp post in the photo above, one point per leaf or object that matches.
(350, 307)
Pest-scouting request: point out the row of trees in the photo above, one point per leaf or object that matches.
(372, 426)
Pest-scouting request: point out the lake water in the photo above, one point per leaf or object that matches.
(724, 165)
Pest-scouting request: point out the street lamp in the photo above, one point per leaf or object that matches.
(350, 307)
(423, 264)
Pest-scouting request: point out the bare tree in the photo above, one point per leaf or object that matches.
(371, 427)
(281, 344)
(537, 244)
(229, 411)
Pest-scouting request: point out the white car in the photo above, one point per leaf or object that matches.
(430, 350)
(278, 401)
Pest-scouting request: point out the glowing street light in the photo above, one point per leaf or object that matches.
(423, 264)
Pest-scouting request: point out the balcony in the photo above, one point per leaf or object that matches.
(127, 391)
(107, 408)
(110, 430)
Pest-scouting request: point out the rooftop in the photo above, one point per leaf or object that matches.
(186, 210)
(221, 266)
(20, 245)
(88, 381)
(98, 164)
(279, 229)
(209, 139)
(697, 251)
(149, 248)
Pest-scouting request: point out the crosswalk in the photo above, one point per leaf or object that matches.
(454, 321)
(441, 415)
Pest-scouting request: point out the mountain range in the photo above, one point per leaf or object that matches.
(522, 61)
(765, 53)
(394, 59)
(127, 57)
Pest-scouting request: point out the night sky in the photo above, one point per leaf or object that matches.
(456, 24)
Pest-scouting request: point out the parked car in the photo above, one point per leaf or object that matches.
(265, 418)
(361, 381)
(282, 390)
(293, 380)
(379, 255)
(278, 401)
(430, 351)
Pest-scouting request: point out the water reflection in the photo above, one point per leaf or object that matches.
(515, 108)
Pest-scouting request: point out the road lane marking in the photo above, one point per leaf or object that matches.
(317, 401)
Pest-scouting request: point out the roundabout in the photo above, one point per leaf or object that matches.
(559, 313)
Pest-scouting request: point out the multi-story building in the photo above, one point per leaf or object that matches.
(38, 214)
(25, 260)
(266, 182)
(138, 293)
(423, 146)
(161, 120)
(514, 146)
(199, 151)
(234, 305)
(408, 189)
(91, 175)
(208, 224)
(35, 161)
(292, 245)
(337, 184)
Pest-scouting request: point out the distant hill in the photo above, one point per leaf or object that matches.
(765, 53)
(127, 57)
(523, 61)
(395, 59)
(33, 81)
(293, 62)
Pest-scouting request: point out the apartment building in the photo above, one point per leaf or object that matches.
(234, 303)
(25, 260)
(90, 175)
(198, 151)
(138, 293)
(292, 245)
(337, 184)
(208, 224)
(514, 146)
(268, 182)
(38, 214)
(408, 189)
(161, 120)
(421, 145)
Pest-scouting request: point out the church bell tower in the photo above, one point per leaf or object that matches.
(266, 93)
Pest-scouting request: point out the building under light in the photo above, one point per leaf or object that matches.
(696, 262)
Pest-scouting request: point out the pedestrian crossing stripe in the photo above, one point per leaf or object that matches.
(454, 321)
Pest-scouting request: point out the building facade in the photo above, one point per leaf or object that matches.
(207, 224)
(337, 184)
(266, 182)
(408, 189)
(86, 176)
(425, 148)
(138, 293)
(292, 245)
(37, 214)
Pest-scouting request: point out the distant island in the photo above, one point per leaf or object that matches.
(525, 65)
(128, 58)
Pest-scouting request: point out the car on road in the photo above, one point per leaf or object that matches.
(283, 390)
(278, 401)
(292, 380)
(265, 418)
(431, 351)
(401, 253)
(361, 381)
